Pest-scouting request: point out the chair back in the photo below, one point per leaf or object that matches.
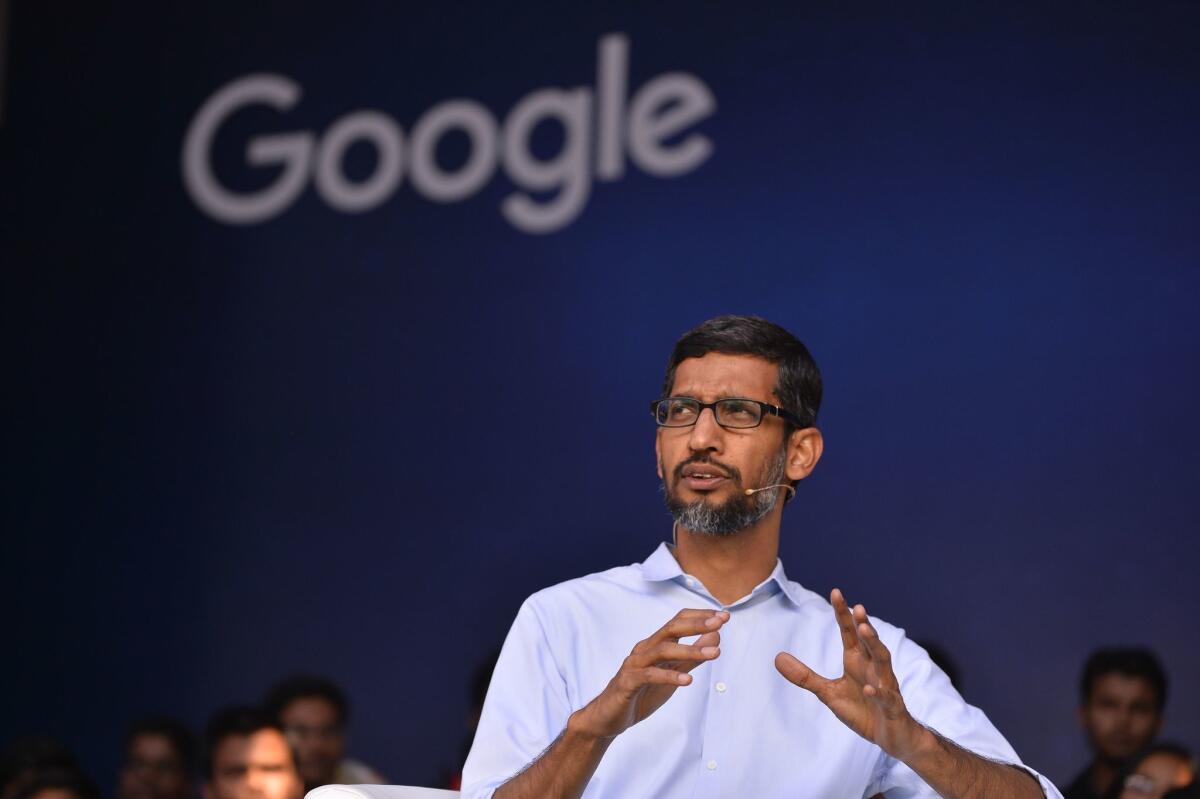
(378, 792)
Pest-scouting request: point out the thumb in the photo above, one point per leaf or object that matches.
(798, 674)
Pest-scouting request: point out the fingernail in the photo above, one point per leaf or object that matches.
(708, 651)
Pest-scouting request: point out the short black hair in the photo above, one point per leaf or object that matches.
(799, 384)
(62, 779)
(303, 686)
(178, 734)
(237, 720)
(1128, 661)
(26, 757)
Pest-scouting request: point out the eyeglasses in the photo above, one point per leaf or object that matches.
(734, 412)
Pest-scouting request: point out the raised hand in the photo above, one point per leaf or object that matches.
(651, 673)
(866, 698)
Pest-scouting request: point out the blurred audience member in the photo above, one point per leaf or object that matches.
(160, 761)
(481, 678)
(1158, 770)
(26, 757)
(59, 783)
(248, 757)
(313, 713)
(1122, 696)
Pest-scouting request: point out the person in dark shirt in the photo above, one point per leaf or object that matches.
(1122, 696)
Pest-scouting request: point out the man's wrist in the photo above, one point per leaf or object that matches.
(581, 733)
(923, 748)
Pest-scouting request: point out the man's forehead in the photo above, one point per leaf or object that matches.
(264, 745)
(719, 374)
(1115, 682)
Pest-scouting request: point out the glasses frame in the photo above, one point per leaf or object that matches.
(767, 410)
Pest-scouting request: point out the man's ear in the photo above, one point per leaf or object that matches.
(206, 791)
(804, 449)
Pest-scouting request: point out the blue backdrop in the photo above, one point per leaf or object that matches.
(298, 438)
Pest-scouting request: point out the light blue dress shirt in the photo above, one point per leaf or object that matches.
(740, 729)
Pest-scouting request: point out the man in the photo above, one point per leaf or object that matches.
(1122, 696)
(313, 713)
(249, 758)
(160, 756)
(1156, 772)
(589, 698)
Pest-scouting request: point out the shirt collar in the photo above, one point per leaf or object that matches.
(662, 566)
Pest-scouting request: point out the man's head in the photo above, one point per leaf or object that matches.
(1122, 696)
(1160, 769)
(709, 457)
(160, 756)
(249, 758)
(312, 711)
(59, 783)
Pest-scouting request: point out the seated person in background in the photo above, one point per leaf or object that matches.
(313, 713)
(59, 783)
(28, 756)
(1158, 770)
(160, 761)
(248, 757)
(1122, 696)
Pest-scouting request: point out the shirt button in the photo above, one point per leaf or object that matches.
(690, 581)
(721, 687)
(712, 765)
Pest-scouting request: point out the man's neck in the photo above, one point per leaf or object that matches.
(730, 566)
(1101, 775)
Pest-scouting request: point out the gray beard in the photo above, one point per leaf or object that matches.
(732, 516)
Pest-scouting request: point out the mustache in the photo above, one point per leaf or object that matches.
(730, 471)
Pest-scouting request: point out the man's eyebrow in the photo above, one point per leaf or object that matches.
(721, 393)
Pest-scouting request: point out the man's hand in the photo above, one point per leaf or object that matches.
(651, 673)
(648, 677)
(867, 696)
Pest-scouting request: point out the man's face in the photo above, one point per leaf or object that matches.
(1121, 716)
(315, 733)
(257, 766)
(706, 468)
(1157, 774)
(153, 770)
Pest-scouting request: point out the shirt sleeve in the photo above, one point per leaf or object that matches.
(525, 710)
(934, 702)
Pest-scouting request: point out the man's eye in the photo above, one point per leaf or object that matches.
(681, 410)
(738, 409)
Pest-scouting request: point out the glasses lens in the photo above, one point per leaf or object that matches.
(738, 413)
(677, 412)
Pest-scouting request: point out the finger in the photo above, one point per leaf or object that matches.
(695, 622)
(881, 658)
(799, 674)
(670, 652)
(712, 639)
(653, 675)
(845, 621)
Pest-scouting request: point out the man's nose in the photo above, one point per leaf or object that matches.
(706, 433)
(254, 785)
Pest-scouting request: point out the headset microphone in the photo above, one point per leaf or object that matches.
(752, 491)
